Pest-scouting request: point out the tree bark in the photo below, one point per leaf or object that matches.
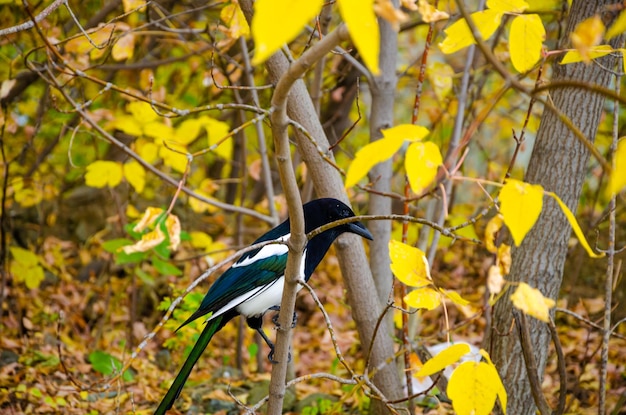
(559, 164)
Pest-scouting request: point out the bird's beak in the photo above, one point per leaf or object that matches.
(359, 229)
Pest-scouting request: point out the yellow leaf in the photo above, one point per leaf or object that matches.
(187, 131)
(200, 240)
(507, 6)
(424, 297)
(617, 181)
(172, 224)
(520, 207)
(370, 155)
(27, 196)
(135, 175)
(504, 258)
(199, 206)
(24, 256)
(473, 387)
(277, 22)
(446, 357)
(216, 132)
(363, 27)
(142, 111)
(130, 5)
(409, 264)
(525, 41)
(574, 224)
(459, 35)
(429, 13)
(103, 173)
(128, 124)
(495, 280)
(454, 297)
(124, 48)
(407, 132)
(149, 217)
(147, 242)
(25, 267)
(440, 76)
(618, 27)
(232, 15)
(132, 212)
(157, 129)
(394, 16)
(532, 302)
(175, 156)
(147, 150)
(422, 161)
(492, 228)
(497, 382)
(593, 52)
(587, 34)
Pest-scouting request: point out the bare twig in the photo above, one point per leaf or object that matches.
(531, 363)
(610, 256)
(560, 360)
(38, 18)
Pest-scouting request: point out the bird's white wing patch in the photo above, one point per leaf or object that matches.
(237, 301)
(268, 296)
(258, 300)
(265, 252)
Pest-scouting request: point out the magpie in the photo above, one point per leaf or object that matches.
(254, 284)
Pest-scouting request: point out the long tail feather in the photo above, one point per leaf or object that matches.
(210, 329)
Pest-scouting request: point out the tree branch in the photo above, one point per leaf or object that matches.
(297, 240)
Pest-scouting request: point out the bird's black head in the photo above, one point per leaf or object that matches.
(323, 211)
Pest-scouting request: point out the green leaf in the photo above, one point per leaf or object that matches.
(107, 364)
(165, 268)
(145, 277)
(122, 258)
(114, 245)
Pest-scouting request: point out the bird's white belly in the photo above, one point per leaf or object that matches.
(266, 298)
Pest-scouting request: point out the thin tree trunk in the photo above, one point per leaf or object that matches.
(559, 164)
(360, 287)
(383, 92)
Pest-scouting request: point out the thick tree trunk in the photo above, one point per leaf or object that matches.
(559, 164)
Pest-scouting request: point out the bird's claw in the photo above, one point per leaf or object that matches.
(294, 319)
(273, 361)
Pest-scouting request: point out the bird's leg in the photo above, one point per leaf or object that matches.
(294, 319)
(270, 355)
(256, 323)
